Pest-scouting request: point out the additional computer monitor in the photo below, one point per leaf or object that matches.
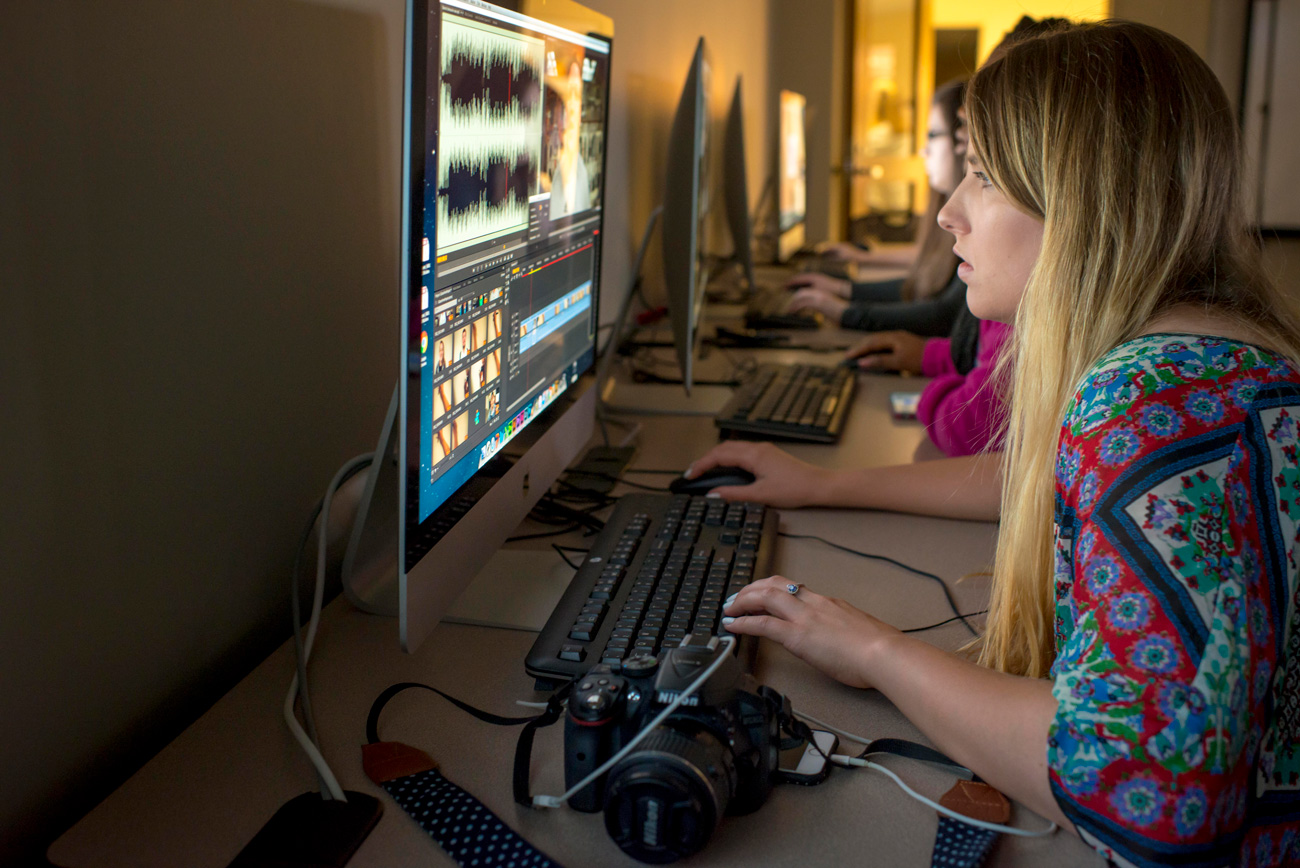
(504, 161)
(792, 177)
(736, 186)
(686, 207)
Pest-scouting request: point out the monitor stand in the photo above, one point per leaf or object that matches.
(517, 590)
(648, 399)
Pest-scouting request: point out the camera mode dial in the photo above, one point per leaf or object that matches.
(596, 698)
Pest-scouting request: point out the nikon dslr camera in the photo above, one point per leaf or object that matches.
(716, 754)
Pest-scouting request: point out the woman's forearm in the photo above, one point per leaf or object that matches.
(967, 488)
(992, 723)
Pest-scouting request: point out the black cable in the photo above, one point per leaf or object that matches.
(555, 512)
(561, 532)
(611, 476)
(567, 513)
(657, 472)
(922, 573)
(949, 621)
(560, 550)
(581, 494)
(376, 707)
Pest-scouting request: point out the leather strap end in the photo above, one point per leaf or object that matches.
(977, 799)
(389, 760)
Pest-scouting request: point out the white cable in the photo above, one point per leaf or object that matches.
(857, 762)
(826, 726)
(631, 435)
(541, 801)
(842, 760)
(332, 787)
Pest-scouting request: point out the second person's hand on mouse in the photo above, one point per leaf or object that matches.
(889, 351)
(780, 479)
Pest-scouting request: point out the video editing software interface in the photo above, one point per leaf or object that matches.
(513, 164)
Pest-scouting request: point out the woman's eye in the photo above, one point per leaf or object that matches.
(983, 179)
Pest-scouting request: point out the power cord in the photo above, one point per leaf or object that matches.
(915, 571)
(303, 647)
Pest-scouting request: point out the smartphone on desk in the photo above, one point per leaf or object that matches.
(902, 405)
(808, 762)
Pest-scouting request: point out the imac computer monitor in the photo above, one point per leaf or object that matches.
(686, 207)
(736, 186)
(504, 161)
(791, 175)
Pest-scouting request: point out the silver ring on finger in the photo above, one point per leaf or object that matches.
(793, 589)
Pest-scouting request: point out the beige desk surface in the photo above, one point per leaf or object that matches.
(205, 795)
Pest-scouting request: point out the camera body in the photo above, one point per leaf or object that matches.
(716, 754)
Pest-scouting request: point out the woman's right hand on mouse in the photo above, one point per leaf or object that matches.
(889, 351)
(824, 282)
(780, 479)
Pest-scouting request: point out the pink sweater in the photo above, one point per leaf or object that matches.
(962, 414)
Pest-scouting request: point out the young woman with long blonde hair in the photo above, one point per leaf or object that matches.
(1138, 681)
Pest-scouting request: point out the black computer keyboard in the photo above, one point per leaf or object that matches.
(767, 310)
(790, 402)
(659, 570)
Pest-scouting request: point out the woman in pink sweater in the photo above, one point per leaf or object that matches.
(960, 408)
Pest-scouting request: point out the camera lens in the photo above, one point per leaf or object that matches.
(663, 801)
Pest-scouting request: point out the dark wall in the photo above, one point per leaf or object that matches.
(198, 307)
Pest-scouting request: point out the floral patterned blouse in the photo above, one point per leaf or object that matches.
(1177, 677)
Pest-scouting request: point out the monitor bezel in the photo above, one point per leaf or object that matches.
(735, 180)
(684, 218)
(420, 52)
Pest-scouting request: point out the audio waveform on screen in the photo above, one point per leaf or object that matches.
(490, 131)
(490, 80)
(483, 191)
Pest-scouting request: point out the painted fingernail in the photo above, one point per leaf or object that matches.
(728, 619)
(730, 599)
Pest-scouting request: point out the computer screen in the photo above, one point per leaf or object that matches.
(687, 200)
(503, 314)
(736, 185)
(503, 182)
(792, 179)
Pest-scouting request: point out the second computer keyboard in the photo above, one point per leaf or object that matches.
(660, 569)
(790, 402)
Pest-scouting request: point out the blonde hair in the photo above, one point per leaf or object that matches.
(1120, 139)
